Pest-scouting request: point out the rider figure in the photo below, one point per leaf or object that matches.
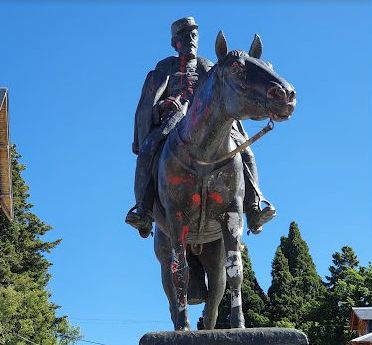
(166, 95)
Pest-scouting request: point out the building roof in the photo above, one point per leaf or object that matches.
(364, 339)
(363, 313)
(3, 93)
(6, 196)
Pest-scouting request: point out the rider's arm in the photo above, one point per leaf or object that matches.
(138, 120)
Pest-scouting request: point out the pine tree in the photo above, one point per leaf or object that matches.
(342, 262)
(301, 264)
(253, 298)
(349, 285)
(295, 282)
(26, 313)
(281, 290)
(255, 301)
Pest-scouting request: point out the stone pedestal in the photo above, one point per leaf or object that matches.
(250, 336)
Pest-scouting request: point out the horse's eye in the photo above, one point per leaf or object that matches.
(237, 68)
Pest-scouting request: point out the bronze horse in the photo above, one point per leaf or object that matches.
(202, 204)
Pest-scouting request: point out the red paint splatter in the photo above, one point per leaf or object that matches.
(174, 180)
(216, 197)
(179, 215)
(185, 231)
(195, 110)
(196, 199)
(174, 267)
(177, 180)
(207, 112)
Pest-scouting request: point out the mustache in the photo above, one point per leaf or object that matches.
(192, 43)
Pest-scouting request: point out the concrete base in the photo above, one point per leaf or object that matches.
(249, 336)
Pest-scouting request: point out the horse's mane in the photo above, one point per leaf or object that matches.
(212, 71)
(210, 74)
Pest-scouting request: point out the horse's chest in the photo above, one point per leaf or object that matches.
(199, 201)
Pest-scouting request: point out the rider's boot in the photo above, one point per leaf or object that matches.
(256, 215)
(140, 216)
(140, 219)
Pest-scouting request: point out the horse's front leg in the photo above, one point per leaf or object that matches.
(234, 266)
(180, 275)
(163, 252)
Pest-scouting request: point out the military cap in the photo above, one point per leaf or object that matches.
(183, 23)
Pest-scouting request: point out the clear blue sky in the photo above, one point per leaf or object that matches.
(74, 72)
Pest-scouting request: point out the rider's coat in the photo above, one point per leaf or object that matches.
(169, 78)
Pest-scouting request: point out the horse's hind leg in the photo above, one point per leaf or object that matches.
(234, 266)
(213, 261)
(163, 252)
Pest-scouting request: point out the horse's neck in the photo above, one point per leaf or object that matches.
(206, 128)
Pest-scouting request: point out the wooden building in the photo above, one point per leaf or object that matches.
(6, 196)
(361, 321)
(363, 340)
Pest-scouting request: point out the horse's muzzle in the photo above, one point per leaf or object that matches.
(281, 102)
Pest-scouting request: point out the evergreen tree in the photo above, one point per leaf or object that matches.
(301, 265)
(26, 314)
(349, 285)
(281, 290)
(342, 262)
(253, 298)
(295, 282)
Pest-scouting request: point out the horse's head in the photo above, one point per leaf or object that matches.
(250, 87)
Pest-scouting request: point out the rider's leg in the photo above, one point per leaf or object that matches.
(140, 216)
(256, 216)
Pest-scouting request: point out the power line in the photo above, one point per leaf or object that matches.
(25, 339)
(91, 342)
(83, 340)
(67, 337)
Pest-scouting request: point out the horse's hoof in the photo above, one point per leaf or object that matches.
(239, 325)
(185, 327)
(237, 322)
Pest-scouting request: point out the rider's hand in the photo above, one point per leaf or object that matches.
(170, 104)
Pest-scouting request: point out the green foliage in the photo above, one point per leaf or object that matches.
(349, 285)
(297, 296)
(26, 314)
(281, 292)
(342, 263)
(295, 282)
(299, 299)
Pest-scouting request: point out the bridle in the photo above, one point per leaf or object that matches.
(242, 147)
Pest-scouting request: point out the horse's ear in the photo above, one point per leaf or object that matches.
(256, 47)
(221, 46)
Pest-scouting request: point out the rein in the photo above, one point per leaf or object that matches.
(243, 146)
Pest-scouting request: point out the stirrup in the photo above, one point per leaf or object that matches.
(140, 221)
(262, 216)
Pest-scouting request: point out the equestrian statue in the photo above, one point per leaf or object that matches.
(196, 174)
